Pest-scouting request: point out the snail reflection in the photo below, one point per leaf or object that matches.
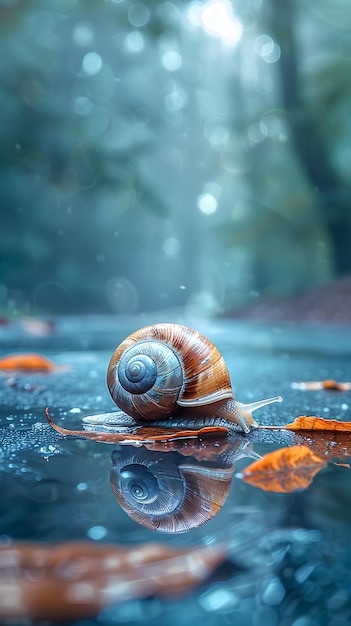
(173, 491)
(170, 376)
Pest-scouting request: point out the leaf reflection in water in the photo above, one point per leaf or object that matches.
(285, 470)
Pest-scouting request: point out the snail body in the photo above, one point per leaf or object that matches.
(166, 369)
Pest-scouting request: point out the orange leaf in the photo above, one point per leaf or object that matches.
(285, 470)
(143, 434)
(28, 363)
(313, 431)
(329, 384)
(312, 422)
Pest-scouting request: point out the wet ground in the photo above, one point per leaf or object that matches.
(289, 555)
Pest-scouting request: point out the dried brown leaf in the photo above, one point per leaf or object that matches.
(313, 422)
(143, 434)
(71, 581)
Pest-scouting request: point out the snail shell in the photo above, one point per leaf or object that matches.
(163, 368)
(165, 492)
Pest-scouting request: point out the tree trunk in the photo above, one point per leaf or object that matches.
(333, 199)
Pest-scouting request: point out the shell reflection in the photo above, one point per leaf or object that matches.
(170, 492)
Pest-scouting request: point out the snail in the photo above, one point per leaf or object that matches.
(171, 372)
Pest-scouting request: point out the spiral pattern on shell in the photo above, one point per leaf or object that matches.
(163, 367)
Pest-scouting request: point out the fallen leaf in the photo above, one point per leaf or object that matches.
(328, 384)
(334, 385)
(29, 363)
(72, 581)
(326, 437)
(313, 422)
(142, 434)
(285, 470)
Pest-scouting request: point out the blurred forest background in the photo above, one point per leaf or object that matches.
(163, 154)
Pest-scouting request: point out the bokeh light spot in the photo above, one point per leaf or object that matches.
(217, 19)
(171, 246)
(213, 188)
(121, 295)
(267, 49)
(138, 14)
(92, 63)
(207, 203)
(82, 105)
(175, 100)
(273, 125)
(134, 41)
(263, 85)
(171, 60)
(216, 133)
(255, 133)
(83, 34)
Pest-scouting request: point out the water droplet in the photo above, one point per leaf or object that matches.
(217, 598)
(97, 532)
(82, 486)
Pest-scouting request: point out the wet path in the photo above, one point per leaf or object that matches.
(289, 554)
